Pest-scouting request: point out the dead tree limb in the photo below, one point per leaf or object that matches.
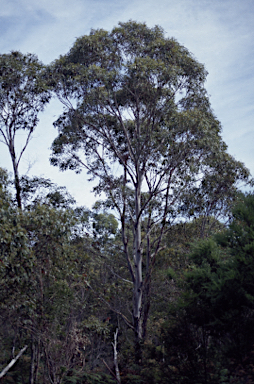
(13, 361)
(115, 356)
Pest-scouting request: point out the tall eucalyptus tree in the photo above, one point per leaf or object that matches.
(137, 117)
(23, 94)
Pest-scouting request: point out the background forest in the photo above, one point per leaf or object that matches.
(154, 284)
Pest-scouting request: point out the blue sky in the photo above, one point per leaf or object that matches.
(220, 34)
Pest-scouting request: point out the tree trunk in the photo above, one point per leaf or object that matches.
(16, 175)
(137, 294)
(18, 190)
(35, 359)
(115, 357)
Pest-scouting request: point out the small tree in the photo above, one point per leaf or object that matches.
(218, 298)
(23, 94)
(137, 117)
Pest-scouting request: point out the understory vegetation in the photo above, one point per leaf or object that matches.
(65, 292)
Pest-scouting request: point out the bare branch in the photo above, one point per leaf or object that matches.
(13, 361)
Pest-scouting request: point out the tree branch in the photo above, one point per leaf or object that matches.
(12, 362)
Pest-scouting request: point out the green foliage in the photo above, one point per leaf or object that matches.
(211, 323)
(97, 378)
(221, 280)
(38, 190)
(16, 261)
(41, 275)
(105, 222)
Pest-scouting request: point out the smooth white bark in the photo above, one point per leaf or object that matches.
(12, 362)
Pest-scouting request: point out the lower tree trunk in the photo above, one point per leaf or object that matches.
(138, 352)
(35, 357)
(138, 281)
(115, 357)
(138, 339)
(18, 191)
(16, 176)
